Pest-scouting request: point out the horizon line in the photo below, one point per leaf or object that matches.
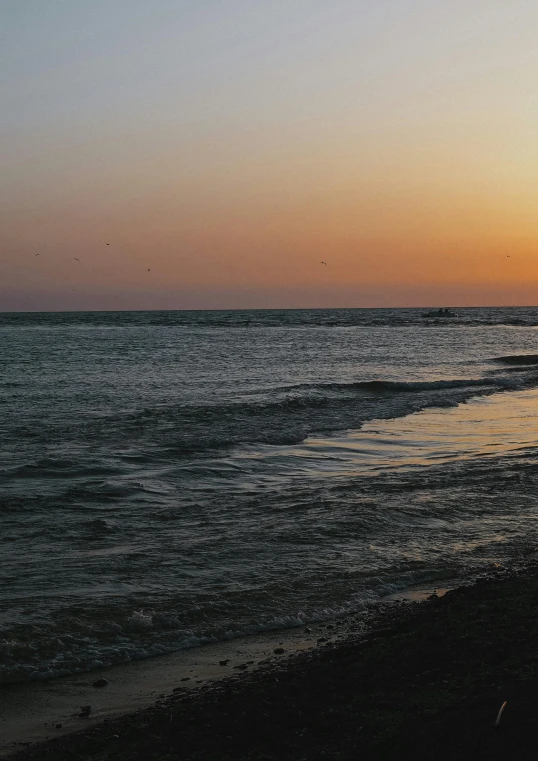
(260, 309)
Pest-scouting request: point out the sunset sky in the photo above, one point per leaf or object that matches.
(230, 146)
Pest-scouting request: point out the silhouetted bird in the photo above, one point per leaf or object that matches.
(75, 258)
(108, 244)
(325, 263)
(149, 270)
(36, 254)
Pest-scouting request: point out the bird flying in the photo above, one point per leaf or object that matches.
(325, 263)
(75, 258)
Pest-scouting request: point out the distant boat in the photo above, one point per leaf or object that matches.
(439, 313)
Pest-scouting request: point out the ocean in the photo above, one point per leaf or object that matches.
(169, 479)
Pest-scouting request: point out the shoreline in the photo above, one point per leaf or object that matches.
(36, 711)
(429, 678)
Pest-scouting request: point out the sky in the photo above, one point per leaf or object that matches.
(231, 146)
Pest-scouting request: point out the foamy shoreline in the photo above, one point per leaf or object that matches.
(34, 712)
(465, 653)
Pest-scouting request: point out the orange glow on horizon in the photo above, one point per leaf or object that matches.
(407, 162)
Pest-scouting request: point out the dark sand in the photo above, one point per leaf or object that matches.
(428, 684)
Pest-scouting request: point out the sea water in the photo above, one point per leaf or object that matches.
(174, 478)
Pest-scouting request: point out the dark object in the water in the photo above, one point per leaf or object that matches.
(85, 711)
(439, 313)
(224, 663)
(518, 359)
(101, 683)
(278, 650)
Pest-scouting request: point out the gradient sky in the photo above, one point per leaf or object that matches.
(231, 146)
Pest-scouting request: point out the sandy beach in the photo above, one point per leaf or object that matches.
(430, 680)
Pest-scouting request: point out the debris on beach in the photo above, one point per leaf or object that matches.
(501, 709)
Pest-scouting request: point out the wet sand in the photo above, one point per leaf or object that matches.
(428, 683)
(37, 711)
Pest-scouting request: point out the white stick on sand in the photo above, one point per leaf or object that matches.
(501, 709)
